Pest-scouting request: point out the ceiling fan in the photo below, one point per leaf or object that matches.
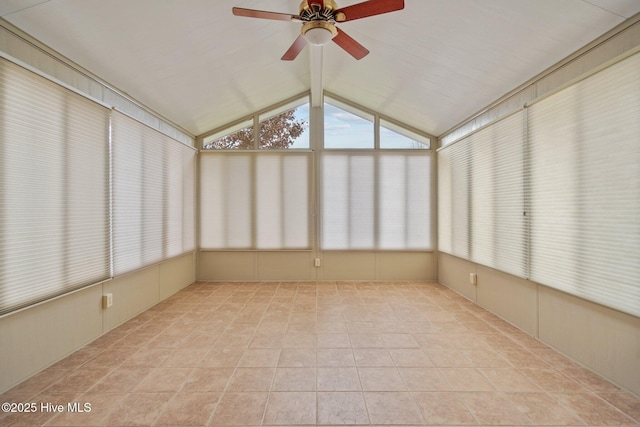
(319, 18)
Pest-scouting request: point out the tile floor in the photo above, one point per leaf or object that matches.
(346, 353)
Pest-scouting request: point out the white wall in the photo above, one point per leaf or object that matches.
(599, 338)
(36, 337)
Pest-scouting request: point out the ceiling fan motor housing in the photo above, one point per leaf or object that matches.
(319, 11)
(319, 21)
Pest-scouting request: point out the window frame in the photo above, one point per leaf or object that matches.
(254, 121)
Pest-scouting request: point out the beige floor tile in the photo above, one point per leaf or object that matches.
(492, 408)
(240, 409)
(485, 358)
(359, 340)
(259, 358)
(287, 408)
(139, 409)
(267, 340)
(542, 409)
(381, 379)
(185, 358)
(424, 379)
(392, 408)
(466, 379)
(589, 379)
(294, 379)
(372, 357)
(552, 380)
(508, 379)
(399, 341)
(217, 353)
(335, 357)
(78, 380)
(626, 402)
(147, 357)
(39, 416)
(448, 358)
(121, 380)
(338, 379)
(207, 380)
(38, 382)
(297, 357)
(222, 358)
(251, 379)
(593, 409)
(163, 380)
(410, 357)
(334, 340)
(189, 409)
(342, 408)
(439, 408)
(101, 405)
(300, 340)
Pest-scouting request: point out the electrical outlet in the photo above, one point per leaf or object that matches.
(107, 300)
(317, 262)
(473, 278)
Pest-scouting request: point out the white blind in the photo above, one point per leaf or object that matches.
(54, 200)
(585, 192)
(498, 221)
(255, 200)
(454, 200)
(376, 200)
(481, 199)
(153, 194)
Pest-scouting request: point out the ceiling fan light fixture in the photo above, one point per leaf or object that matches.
(318, 33)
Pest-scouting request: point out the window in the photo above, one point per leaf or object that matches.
(373, 199)
(393, 136)
(559, 202)
(239, 136)
(584, 162)
(54, 192)
(256, 200)
(481, 202)
(153, 195)
(376, 200)
(284, 127)
(347, 127)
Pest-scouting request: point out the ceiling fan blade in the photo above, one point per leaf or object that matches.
(368, 8)
(352, 47)
(252, 13)
(295, 49)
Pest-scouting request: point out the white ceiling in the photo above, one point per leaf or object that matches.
(431, 65)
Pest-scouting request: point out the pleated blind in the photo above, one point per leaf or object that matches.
(584, 159)
(498, 217)
(454, 200)
(255, 200)
(481, 199)
(153, 194)
(54, 193)
(376, 200)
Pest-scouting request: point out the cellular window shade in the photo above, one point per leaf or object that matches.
(498, 221)
(54, 193)
(255, 200)
(153, 195)
(481, 197)
(454, 200)
(584, 158)
(376, 201)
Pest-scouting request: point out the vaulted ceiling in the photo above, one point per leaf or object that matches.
(431, 65)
